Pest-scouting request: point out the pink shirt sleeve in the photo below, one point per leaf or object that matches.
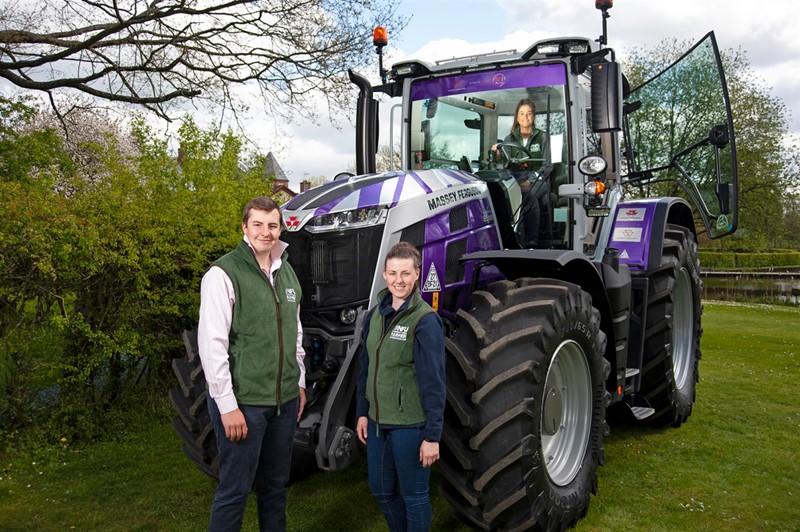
(216, 311)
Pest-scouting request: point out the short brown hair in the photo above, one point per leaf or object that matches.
(261, 203)
(404, 250)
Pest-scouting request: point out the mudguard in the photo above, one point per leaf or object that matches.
(638, 229)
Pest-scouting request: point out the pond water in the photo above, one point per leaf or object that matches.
(775, 288)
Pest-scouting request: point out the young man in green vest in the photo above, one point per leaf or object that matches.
(250, 343)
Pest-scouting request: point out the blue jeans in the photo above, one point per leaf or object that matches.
(397, 479)
(260, 462)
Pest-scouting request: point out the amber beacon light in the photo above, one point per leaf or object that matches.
(380, 37)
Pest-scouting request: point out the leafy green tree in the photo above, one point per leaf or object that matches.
(104, 247)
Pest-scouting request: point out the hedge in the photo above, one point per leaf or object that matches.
(766, 261)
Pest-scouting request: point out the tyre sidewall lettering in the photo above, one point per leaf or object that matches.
(577, 330)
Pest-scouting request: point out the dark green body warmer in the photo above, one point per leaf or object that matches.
(392, 387)
(262, 347)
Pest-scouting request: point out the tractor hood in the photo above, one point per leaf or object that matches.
(363, 196)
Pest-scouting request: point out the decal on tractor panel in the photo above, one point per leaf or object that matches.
(627, 234)
(432, 283)
(447, 198)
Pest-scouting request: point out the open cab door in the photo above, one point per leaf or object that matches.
(679, 131)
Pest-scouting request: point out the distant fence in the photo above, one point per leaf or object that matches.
(775, 287)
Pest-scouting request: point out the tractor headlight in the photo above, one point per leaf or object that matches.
(592, 165)
(353, 219)
(348, 316)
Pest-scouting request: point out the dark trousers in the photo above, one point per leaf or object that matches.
(397, 479)
(260, 462)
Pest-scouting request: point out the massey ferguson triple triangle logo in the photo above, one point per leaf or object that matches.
(432, 283)
(293, 222)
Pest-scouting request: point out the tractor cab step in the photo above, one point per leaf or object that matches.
(642, 412)
(639, 407)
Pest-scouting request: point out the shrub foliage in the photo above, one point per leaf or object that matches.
(105, 236)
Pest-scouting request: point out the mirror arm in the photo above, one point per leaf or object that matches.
(722, 189)
(634, 177)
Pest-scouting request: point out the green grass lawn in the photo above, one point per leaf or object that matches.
(733, 466)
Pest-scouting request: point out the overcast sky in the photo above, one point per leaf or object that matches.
(768, 31)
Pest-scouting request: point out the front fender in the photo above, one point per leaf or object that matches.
(639, 227)
(575, 268)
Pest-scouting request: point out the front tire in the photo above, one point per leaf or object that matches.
(673, 330)
(526, 406)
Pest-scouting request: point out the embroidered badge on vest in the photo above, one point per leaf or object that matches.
(399, 333)
(290, 295)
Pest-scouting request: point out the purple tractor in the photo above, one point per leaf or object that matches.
(566, 270)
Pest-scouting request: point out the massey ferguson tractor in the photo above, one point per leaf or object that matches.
(597, 307)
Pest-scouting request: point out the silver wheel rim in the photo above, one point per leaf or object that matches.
(566, 412)
(682, 328)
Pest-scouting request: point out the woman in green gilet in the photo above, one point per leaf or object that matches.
(401, 393)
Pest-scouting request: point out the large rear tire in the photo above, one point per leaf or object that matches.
(673, 330)
(193, 423)
(525, 406)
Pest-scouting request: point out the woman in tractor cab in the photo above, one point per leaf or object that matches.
(527, 168)
(523, 133)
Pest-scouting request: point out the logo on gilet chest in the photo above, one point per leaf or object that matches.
(399, 333)
(290, 295)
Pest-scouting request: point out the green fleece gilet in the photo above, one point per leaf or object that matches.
(262, 347)
(391, 379)
(535, 144)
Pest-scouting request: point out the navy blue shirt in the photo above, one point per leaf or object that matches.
(429, 363)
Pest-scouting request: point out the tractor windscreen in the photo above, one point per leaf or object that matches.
(498, 121)
(456, 120)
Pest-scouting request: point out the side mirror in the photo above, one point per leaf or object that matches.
(426, 140)
(718, 136)
(606, 97)
(431, 106)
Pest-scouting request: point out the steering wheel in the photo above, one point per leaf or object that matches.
(505, 150)
(526, 163)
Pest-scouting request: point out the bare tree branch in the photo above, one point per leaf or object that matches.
(154, 53)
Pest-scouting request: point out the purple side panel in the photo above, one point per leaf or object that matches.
(437, 229)
(480, 234)
(480, 215)
(513, 78)
(631, 233)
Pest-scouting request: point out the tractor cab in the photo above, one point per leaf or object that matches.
(510, 119)
(470, 122)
